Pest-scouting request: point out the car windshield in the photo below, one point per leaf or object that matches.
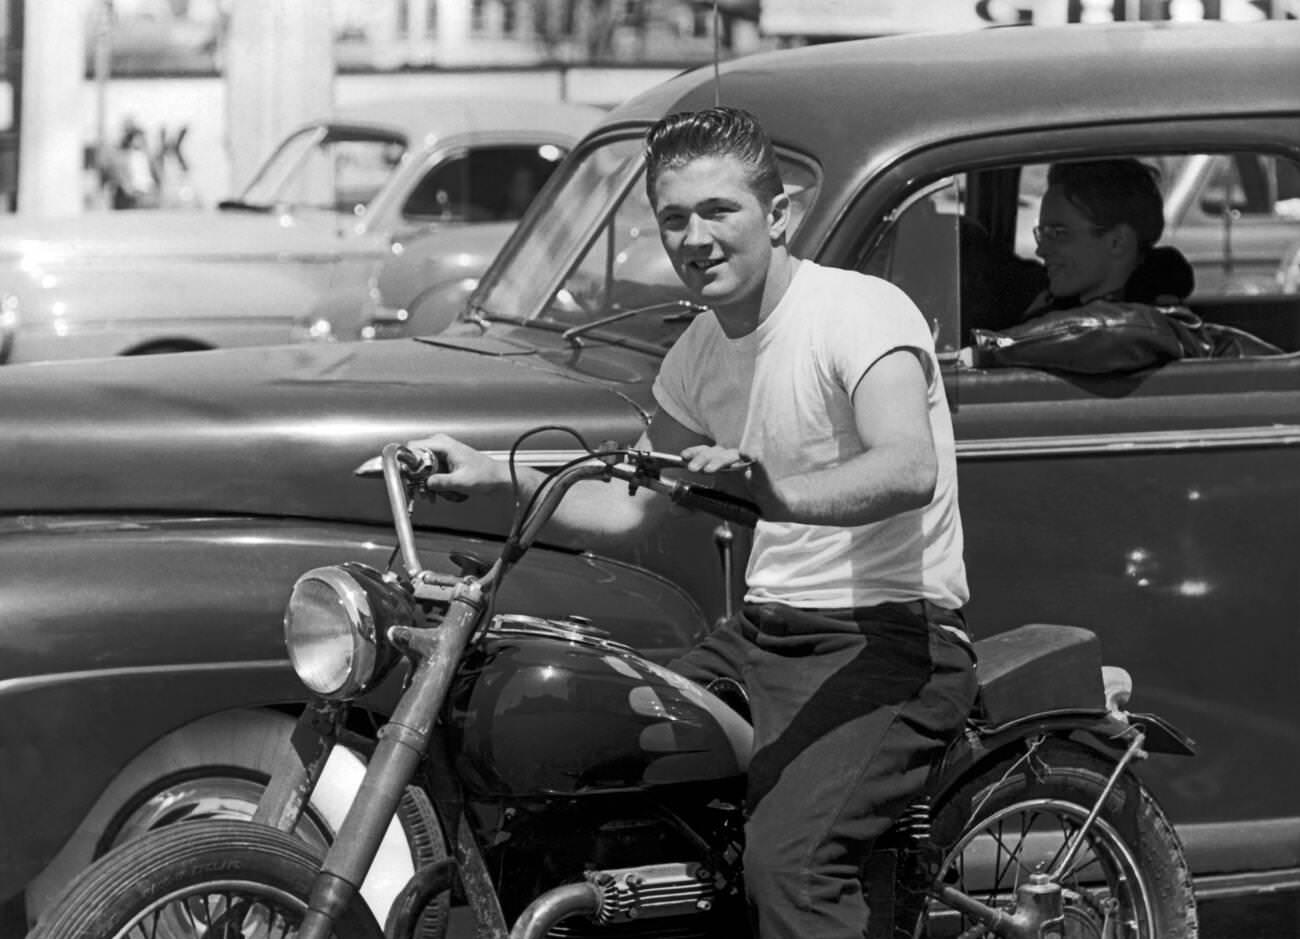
(338, 169)
(592, 252)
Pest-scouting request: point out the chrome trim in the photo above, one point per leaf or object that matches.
(537, 459)
(581, 633)
(1150, 441)
(1153, 441)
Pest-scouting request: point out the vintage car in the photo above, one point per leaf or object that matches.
(154, 512)
(292, 257)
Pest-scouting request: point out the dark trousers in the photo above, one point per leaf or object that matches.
(849, 708)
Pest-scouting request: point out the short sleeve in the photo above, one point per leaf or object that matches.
(880, 319)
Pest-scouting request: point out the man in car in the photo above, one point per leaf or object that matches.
(851, 641)
(1115, 300)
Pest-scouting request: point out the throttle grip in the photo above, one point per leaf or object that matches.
(715, 502)
(427, 463)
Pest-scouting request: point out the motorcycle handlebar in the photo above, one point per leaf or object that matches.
(643, 468)
(638, 468)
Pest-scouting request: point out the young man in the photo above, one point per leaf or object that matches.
(851, 642)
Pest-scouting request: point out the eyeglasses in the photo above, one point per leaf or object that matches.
(1061, 234)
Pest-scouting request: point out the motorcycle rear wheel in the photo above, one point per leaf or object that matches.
(198, 879)
(1130, 879)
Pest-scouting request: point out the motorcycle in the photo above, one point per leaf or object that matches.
(557, 783)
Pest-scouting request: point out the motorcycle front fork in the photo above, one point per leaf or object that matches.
(319, 728)
(299, 768)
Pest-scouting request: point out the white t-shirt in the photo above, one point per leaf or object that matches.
(783, 395)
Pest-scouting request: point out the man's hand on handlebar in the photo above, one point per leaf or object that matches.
(462, 469)
(710, 458)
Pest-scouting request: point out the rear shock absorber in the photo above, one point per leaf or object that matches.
(914, 823)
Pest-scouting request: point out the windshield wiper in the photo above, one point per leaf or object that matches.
(686, 310)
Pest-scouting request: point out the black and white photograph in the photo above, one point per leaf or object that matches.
(650, 469)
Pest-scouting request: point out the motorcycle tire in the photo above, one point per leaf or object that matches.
(1130, 880)
(187, 879)
(216, 767)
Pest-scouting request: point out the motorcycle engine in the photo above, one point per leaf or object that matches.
(645, 901)
(654, 884)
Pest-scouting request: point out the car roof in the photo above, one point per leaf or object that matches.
(434, 117)
(893, 94)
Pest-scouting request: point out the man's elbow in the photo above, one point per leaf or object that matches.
(923, 482)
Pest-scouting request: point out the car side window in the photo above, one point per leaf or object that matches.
(1251, 184)
(920, 253)
(964, 249)
(1235, 217)
(323, 168)
(485, 184)
(360, 170)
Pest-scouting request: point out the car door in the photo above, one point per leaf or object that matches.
(1158, 508)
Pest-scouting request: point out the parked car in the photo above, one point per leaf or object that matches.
(291, 257)
(154, 512)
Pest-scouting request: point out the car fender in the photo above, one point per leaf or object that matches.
(118, 631)
(431, 275)
(246, 739)
(97, 310)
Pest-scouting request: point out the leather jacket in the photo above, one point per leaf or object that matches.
(1144, 325)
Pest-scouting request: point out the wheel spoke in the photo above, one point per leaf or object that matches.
(993, 859)
(211, 911)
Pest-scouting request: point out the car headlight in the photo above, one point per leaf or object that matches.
(336, 625)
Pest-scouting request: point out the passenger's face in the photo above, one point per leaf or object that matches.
(1078, 254)
(718, 233)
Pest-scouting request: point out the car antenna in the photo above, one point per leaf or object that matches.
(717, 78)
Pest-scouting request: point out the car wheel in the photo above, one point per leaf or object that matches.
(217, 768)
(168, 347)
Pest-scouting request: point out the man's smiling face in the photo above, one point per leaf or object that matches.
(1079, 255)
(717, 231)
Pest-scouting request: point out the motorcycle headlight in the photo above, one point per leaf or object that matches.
(335, 628)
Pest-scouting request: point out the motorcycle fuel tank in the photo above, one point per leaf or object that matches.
(552, 707)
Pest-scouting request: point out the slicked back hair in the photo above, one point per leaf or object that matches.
(681, 138)
(1114, 192)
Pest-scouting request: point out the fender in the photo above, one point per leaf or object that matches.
(118, 630)
(1095, 728)
(101, 309)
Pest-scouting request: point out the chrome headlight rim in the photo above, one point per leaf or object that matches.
(338, 662)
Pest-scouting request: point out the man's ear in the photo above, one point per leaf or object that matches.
(778, 217)
(1122, 239)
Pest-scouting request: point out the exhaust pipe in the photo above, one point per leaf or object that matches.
(554, 905)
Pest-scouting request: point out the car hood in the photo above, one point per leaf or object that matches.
(225, 233)
(279, 430)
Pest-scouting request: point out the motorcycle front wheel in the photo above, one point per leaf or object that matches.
(198, 879)
(1129, 879)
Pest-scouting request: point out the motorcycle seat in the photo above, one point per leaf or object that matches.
(1035, 668)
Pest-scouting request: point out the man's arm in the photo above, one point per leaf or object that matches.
(896, 471)
(593, 512)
